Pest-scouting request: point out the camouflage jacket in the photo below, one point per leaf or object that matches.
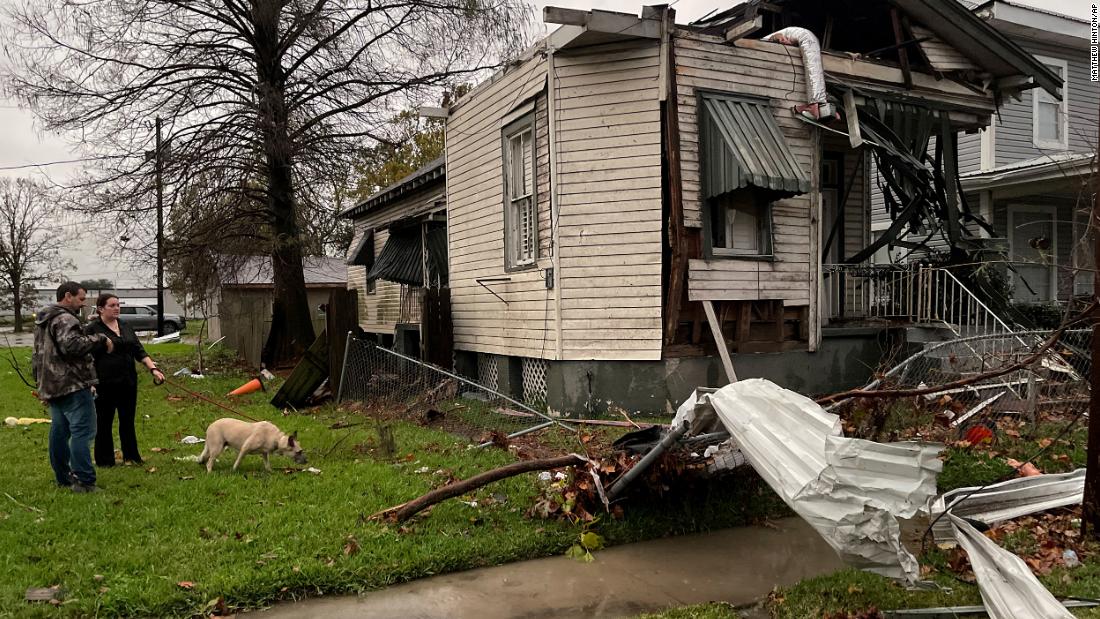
(62, 361)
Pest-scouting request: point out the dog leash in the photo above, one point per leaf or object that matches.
(206, 399)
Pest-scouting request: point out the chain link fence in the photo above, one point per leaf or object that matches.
(1053, 384)
(389, 385)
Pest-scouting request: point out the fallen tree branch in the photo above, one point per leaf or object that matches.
(404, 511)
(906, 393)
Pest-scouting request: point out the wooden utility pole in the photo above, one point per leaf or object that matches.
(160, 232)
(1090, 519)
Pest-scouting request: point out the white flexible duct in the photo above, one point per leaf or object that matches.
(818, 105)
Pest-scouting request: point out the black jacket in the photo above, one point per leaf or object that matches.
(117, 367)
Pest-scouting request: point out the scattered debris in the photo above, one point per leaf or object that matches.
(308, 376)
(951, 612)
(404, 511)
(1006, 500)
(192, 440)
(977, 409)
(171, 337)
(1024, 469)
(850, 490)
(52, 595)
(23, 421)
(29, 508)
(191, 458)
(1008, 588)
(667, 441)
(251, 386)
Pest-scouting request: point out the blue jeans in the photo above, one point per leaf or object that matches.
(72, 429)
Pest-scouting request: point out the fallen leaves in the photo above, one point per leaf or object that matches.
(351, 546)
(185, 584)
(1044, 542)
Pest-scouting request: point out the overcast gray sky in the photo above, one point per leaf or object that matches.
(22, 142)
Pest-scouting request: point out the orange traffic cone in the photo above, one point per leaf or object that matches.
(253, 385)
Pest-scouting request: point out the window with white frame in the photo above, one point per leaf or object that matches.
(1049, 120)
(741, 224)
(520, 220)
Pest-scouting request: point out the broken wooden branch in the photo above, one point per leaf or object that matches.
(404, 511)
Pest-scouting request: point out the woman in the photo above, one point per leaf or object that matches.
(117, 387)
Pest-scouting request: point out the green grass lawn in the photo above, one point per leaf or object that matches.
(253, 537)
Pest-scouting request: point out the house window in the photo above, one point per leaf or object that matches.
(520, 221)
(1032, 251)
(1049, 119)
(741, 224)
(372, 285)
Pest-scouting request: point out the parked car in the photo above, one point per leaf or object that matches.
(144, 318)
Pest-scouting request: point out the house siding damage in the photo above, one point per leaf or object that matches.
(704, 62)
(606, 241)
(606, 301)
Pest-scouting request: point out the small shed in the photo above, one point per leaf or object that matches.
(244, 301)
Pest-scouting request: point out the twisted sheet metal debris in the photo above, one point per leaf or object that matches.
(1009, 589)
(850, 490)
(1007, 500)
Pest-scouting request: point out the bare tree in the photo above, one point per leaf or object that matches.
(30, 246)
(261, 99)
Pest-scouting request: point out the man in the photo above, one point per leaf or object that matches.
(65, 373)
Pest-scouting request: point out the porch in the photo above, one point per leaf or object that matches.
(906, 295)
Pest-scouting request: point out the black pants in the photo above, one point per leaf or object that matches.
(123, 398)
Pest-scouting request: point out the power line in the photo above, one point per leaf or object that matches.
(61, 162)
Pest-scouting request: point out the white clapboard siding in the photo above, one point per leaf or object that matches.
(523, 323)
(380, 311)
(768, 70)
(609, 187)
(941, 55)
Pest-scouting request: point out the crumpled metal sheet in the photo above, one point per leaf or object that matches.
(700, 416)
(1007, 500)
(850, 490)
(1009, 589)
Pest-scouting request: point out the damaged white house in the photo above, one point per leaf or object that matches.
(635, 207)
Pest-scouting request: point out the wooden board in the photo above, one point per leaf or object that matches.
(307, 376)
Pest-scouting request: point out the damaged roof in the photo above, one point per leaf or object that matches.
(431, 173)
(1008, 66)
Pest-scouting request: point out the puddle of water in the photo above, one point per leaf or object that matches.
(737, 566)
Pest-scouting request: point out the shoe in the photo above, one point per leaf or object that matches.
(81, 488)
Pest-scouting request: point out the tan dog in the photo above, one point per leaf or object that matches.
(261, 437)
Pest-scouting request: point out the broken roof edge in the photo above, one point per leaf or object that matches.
(952, 22)
(546, 44)
(952, 13)
(1047, 167)
(434, 170)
